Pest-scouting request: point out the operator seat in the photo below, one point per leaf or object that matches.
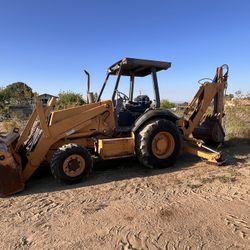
(139, 105)
(132, 110)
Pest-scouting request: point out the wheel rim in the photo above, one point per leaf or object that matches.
(74, 165)
(163, 145)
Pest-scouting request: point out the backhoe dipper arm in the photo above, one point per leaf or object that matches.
(196, 110)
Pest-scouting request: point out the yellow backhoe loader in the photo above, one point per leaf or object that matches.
(124, 126)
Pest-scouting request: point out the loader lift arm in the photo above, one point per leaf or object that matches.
(53, 132)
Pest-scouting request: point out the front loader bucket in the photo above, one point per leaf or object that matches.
(10, 175)
(10, 171)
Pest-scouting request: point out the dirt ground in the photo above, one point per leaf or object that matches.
(193, 205)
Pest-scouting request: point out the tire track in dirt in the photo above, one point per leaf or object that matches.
(127, 238)
(238, 226)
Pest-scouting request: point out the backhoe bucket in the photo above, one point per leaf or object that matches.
(210, 131)
(10, 175)
(226, 159)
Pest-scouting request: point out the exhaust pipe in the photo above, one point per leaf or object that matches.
(90, 96)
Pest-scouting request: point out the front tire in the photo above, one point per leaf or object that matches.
(158, 144)
(71, 163)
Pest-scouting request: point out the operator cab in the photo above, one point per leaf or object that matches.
(127, 108)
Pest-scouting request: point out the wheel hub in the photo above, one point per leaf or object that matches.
(163, 145)
(74, 165)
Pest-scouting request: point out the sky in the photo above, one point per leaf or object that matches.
(47, 44)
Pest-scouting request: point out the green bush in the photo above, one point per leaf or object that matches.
(69, 99)
(166, 104)
(16, 93)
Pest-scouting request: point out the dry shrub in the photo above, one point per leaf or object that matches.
(237, 121)
(8, 126)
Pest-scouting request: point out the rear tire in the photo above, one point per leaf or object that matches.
(71, 163)
(158, 144)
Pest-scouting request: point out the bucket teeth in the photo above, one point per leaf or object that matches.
(226, 159)
(222, 161)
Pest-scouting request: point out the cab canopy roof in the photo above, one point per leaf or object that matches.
(137, 67)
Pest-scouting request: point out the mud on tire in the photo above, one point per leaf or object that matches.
(146, 144)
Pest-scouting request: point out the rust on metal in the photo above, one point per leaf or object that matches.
(74, 165)
(10, 175)
(163, 145)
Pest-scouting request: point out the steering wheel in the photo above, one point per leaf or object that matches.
(123, 96)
